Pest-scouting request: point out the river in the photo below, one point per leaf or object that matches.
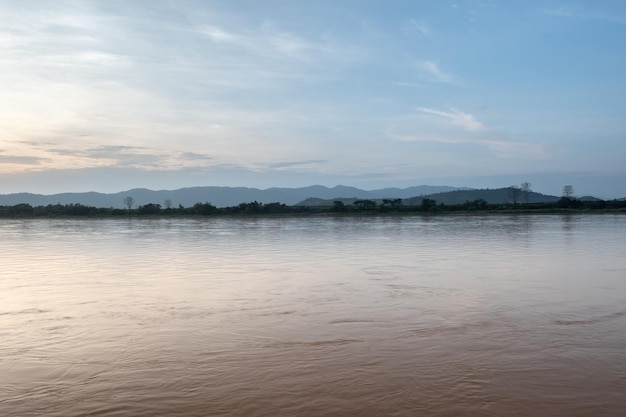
(302, 316)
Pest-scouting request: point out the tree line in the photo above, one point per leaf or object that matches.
(427, 205)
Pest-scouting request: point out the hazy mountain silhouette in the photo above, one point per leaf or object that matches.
(493, 196)
(218, 196)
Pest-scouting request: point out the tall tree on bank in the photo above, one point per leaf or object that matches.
(568, 191)
(129, 201)
(525, 187)
(514, 191)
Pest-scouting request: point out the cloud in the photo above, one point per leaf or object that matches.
(291, 164)
(269, 40)
(54, 157)
(576, 13)
(20, 160)
(431, 71)
(196, 156)
(498, 144)
(144, 157)
(184, 79)
(428, 129)
(413, 26)
(218, 35)
(407, 84)
(512, 149)
(458, 118)
(92, 57)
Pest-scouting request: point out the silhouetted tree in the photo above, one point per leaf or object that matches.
(275, 208)
(479, 204)
(525, 187)
(395, 203)
(338, 205)
(567, 202)
(129, 201)
(168, 204)
(21, 210)
(514, 192)
(365, 204)
(204, 208)
(568, 191)
(428, 204)
(149, 209)
(79, 210)
(253, 207)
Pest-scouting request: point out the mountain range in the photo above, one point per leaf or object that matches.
(492, 196)
(218, 196)
(315, 195)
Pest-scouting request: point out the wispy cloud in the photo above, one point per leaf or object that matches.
(218, 35)
(513, 149)
(427, 128)
(458, 118)
(145, 158)
(269, 40)
(407, 84)
(498, 144)
(413, 26)
(59, 156)
(196, 156)
(577, 13)
(431, 71)
(20, 160)
(291, 164)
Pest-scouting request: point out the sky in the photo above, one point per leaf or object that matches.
(112, 95)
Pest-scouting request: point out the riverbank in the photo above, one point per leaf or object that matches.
(364, 208)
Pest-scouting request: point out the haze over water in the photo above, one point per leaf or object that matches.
(348, 316)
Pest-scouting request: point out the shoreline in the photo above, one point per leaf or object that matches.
(98, 213)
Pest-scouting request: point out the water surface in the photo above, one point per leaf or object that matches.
(349, 316)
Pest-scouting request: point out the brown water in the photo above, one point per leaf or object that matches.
(383, 316)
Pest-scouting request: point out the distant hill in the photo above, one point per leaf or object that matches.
(410, 191)
(218, 196)
(492, 196)
(325, 202)
(459, 196)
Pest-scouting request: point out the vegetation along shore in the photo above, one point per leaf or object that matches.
(358, 207)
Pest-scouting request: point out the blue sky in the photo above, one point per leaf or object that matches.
(111, 95)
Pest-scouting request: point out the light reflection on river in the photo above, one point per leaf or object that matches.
(372, 316)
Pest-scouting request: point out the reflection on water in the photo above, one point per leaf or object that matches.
(381, 316)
